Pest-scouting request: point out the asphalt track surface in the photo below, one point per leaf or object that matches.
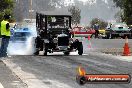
(8, 79)
(59, 71)
(113, 46)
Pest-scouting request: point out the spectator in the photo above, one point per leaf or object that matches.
(5, 34)
(96, 28)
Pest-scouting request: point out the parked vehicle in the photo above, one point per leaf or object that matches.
(102, 33)
(118, 30)
(21, 35)
(82, 32)
(54, 35)
(22, 42)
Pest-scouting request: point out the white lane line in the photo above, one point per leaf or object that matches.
(31, 80)
(1, 86)
(125, 58)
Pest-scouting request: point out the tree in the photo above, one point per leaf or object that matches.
(6, 7)
(75, 11)
(119, 16)
(22, 7)
(126, 7)
(119, 3)
(101, 23)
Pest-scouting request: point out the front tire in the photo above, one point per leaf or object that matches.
(45, 50)
(80, 49)
(66, 53)
(36, 53)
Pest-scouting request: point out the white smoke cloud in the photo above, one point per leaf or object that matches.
(106, 1)
(24, 48)
(88, 1)
(68, 2)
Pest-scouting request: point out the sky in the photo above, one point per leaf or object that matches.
(103, 9)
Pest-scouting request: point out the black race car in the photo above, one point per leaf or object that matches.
(54, 35)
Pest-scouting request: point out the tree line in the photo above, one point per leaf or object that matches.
(19, 9)
(6, 7)
(16, 9)
(126, 10)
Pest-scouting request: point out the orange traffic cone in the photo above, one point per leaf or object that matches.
(126, 51)
(89, 38)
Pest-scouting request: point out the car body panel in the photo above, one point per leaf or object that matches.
(119, 26)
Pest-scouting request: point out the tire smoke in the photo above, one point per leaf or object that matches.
(24, 47)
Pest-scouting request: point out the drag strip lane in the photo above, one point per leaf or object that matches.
(60, 71)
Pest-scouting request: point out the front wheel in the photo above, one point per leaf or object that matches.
(66, 53)
(80, 49)
(45, 50)
(36, 52)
